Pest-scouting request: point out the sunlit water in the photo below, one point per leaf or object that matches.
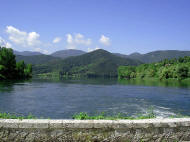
(62, 99)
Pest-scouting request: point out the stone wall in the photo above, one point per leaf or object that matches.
(43, 130)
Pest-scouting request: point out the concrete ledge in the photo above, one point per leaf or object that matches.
(174, 129)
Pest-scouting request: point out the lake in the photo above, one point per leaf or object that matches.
(62, 99)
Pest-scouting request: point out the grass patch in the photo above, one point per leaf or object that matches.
(13, 116)
(85, 116)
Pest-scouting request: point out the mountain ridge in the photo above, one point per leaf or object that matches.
(156, 56)
(26, 53)
(96, 63)
(153, 56)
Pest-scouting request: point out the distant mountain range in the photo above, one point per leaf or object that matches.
(26, 53)
(37, 59)
(156, 56)
(150, 57)
(96, 63)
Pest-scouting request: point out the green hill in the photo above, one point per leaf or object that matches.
(96, 63)
(93, 64)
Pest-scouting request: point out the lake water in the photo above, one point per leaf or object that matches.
(62, 99)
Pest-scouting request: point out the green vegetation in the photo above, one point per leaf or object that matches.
(156, 82)
(13, 116)
(167, 69)
(85, 116)
(9, 69)
(99, 63)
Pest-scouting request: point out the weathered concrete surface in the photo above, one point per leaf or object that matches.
(43, 130)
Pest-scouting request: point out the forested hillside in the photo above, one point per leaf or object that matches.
(166, 69)
(96, 63)
(93, 64)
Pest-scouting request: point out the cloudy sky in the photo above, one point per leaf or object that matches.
(122, 26)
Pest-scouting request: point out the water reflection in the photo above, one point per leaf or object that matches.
(95, 81)
(165, 83)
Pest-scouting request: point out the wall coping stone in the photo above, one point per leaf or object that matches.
(89, 124)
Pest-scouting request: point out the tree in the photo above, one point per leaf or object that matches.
(9, 69)
(182, 72)
(2, 70)
(28, 70)
(174, 68)
(126, 72)
(20, 66)
(7, 62)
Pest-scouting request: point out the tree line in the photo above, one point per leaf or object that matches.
(166, 69)
(10, 69)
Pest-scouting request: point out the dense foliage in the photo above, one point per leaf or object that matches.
(166, 69)
(9, 69)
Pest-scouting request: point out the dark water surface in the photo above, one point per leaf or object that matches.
(62, 99)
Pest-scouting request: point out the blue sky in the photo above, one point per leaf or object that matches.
(123, 26)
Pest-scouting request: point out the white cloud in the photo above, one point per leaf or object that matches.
(4, 43)
(56, 40)
(75, 40)
(23, 38)
(105, 40)
(33, 39)
(79, 39)
(69, 38)
(93, 49)
(41, 50)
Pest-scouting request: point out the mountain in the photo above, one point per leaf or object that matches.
(26, 53)
(37, 59)
(120, 55)
(67, 53)
(135, 55)
(96, 63)
(156, 56)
